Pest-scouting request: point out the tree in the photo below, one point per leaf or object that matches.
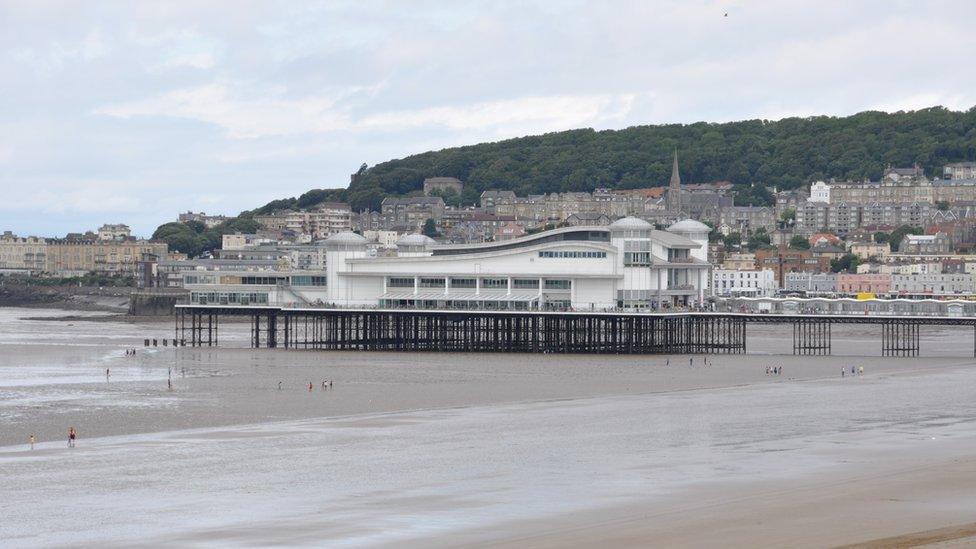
(799, 243)
(759, 239)
(881, 237)
(846, 263)
(732, 240)
(430, 228)
(753, 195)
(942, 205)
(713, 234)
(898, 234)
(788, 216)
(450, 196)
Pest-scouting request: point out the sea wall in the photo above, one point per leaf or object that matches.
(155, 303)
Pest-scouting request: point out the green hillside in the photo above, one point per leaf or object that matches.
(785, 153)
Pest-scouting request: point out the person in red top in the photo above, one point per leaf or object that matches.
(71, 437)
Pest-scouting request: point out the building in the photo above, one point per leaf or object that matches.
(828, 251)
(385, 239)
(872, 283)
(509, 231)
(820, 192)
(932, 284)
(745, 282)
(959, 170)
(846, 218)
(307, 225)
(209, 221)
(739, 261)
(79, 256)
(494, 198)
(114, 231)
(824, 239)
(587, 218)
(238, 241)
(674, 188)
(413, 212)
(27, 255)
(811, 283)
(627, 265)
(865, 250)
(789, 260)
(925, 244)
(442, 184)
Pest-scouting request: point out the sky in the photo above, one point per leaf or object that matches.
(132, 112)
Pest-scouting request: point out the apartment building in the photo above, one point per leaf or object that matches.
(22, 254)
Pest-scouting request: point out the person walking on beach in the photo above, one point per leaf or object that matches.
(279, 385)
(107, 374)
(71, 437)
(843, 371)
(31, 440)
(861, 371)
(310, 386)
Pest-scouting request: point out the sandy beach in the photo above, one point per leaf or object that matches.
(479, 450)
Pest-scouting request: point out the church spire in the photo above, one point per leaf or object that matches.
(674, 188)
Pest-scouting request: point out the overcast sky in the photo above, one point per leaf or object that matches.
(129, 112)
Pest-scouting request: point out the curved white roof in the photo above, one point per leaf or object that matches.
(629, 224)
(415, 240)
(346, 237)
(689, 226)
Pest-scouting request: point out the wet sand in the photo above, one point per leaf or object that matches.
(480, 450)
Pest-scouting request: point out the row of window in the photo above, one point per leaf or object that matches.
(471, 283)
(572, 254)
(306, 280)
(229, 298)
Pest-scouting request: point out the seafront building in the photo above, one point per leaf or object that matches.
(112, 254)
(627, 264)
(743, 282)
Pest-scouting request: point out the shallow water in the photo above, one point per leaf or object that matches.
(416, 445)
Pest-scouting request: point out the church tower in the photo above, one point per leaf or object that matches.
(674, 188)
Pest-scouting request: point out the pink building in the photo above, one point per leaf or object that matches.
(856, 283)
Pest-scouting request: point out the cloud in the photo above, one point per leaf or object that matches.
(535, 113)
(135, 111)
(270, 113)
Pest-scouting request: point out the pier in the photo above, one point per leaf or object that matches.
(536, 331)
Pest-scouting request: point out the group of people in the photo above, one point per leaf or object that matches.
(130, 352)
(691, 361)
(774, 370)
(31, 440)
(859, 371)
(326, 384)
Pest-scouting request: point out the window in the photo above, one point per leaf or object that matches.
(557, 284)
(260, 280)
(463, 283)
(431, 282)
(494, 283)
(572, 254)
(525, 283)
(306, 280)
(400, 282)
(633, 259)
